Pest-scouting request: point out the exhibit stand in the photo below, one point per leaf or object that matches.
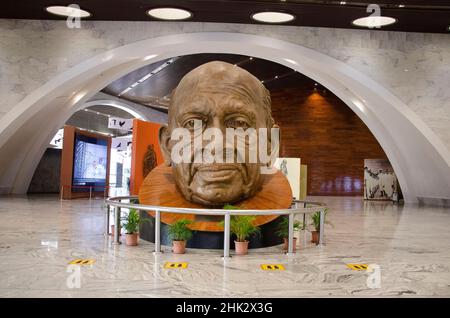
(84, 164)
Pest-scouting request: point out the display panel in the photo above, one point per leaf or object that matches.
(90, 162)
(380, 181)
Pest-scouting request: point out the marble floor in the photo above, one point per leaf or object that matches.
(40, 235)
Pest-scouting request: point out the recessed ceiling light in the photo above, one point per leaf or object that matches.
(343, 2)
(374, 22)
(448, 28)
(68, 11)
(273, 17)
(169, 13)
(401, 5)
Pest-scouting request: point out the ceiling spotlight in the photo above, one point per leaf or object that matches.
(68, 11)
(169, 14)
(343, 2)
(290, 61)
(374, 21)
(315, 84)
(448, 28)
(273, 17)
(251, 58)
(401, 5)
(149, 57)
(276, 76)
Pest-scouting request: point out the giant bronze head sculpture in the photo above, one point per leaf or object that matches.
(217, 95)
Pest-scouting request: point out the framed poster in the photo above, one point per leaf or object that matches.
(380, 181)
(290, 167)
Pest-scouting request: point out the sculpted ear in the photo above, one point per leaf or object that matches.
(274, 144)
(164, 143)
(269, 136)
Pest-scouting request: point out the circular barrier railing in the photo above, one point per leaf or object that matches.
(298, 207)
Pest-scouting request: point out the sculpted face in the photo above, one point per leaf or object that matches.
(221, 96)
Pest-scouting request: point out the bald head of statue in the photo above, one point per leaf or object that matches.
(218, 95)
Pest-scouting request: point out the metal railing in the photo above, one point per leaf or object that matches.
(298, 207)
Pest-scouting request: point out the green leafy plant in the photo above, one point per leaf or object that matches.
(283, 227)
(179, 230)
(230, 207)
(316, 220)
(241, 225)
(132, 221)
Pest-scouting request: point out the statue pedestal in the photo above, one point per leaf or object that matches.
(159, 188)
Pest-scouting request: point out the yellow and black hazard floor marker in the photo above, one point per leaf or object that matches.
(81, 261)
(272, 267)
(358, 267)
(175, 265)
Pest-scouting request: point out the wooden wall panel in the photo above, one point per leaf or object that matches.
(328, 137)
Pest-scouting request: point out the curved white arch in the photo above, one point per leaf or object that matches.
(115, 104)
(421, 161)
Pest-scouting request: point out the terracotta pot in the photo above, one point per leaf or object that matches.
(131, 239)
(241, 248)
(112, 231)
(285, 246)
(315, 237)
(179, 247)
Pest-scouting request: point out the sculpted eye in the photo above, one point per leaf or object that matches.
(190, 123)
(237, 123)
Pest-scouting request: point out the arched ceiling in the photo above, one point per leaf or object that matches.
(412, 15)
(155, 90)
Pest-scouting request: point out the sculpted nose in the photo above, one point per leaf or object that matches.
(218, 123)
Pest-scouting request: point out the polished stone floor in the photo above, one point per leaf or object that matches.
(39, 236)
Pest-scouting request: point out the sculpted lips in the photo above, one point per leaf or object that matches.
(218, 172)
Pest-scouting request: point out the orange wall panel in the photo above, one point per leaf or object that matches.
(144, 134)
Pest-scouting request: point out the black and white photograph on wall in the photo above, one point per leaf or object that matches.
(380, 181)
(290, 167)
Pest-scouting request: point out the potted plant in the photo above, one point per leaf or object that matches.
(131, 225)
(179, 233)
(316, 223)
(283, 231)
(242, 227)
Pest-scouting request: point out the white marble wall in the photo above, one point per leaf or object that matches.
(415, 67)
